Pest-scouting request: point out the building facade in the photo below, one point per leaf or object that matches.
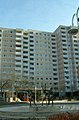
(37, 59)
(33, 58)
(7, 57)
(68, 58)
(45, 59)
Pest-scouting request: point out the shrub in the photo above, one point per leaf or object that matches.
(64, 116)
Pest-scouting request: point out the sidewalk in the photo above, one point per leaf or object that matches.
(57, 105)
(24, 111)
(62, 101)
(15, 109)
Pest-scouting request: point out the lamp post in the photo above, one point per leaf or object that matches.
(35, 93)
(73, 31)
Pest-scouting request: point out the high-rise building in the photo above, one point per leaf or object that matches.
(29, 57)
(7, 55)
(36, 58)
(45, 59)
(68, 58)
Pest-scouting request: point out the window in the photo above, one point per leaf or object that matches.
(18, 65)
(18, 45)
(31, 50)
(63, 32)
(4, 55)
(37, 63)
(25, 61)
(52, 35)
(68, 87)
(31, 68)
(76, 49)
(25, 51)
(5, 50)
(31, 36)
(55, 78)
(31, 54)
(63, 40)
(11, 50)
(31, 63)
(54, 60)
(25, 56)
(36, 41)
(30, 32)
(36, 33)
(18, 31)
(10, 45)
(75, 36)
(31, 58)
(18, 60)
(25, 71)
(62, 28)
(18, 36)
(18, 50)
(11, 31)
(25, 38)
(32, 73)
(18, 55)
(55, 73)
(31, 45)
(25, 42)
(25, 47)
(63, 36)
(31, 41)
(25, 33)
(25, 66)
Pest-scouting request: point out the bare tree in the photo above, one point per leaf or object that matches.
(21, 84)
(5, 85)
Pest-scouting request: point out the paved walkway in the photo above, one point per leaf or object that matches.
(18, 111)
(15, 109)
(45, 108)
(24, 112)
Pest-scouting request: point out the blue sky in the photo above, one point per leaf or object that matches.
(45, 15)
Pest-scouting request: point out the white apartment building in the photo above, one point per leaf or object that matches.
(27, 55)
(68, 58)
(33, 60)
(7, 56)
(45, 59)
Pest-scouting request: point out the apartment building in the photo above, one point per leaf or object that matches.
(7, 56)
(68, 54)
(33, 59)
(45, 59)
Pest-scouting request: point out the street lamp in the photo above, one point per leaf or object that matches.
(35, 93)
(74, 30)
